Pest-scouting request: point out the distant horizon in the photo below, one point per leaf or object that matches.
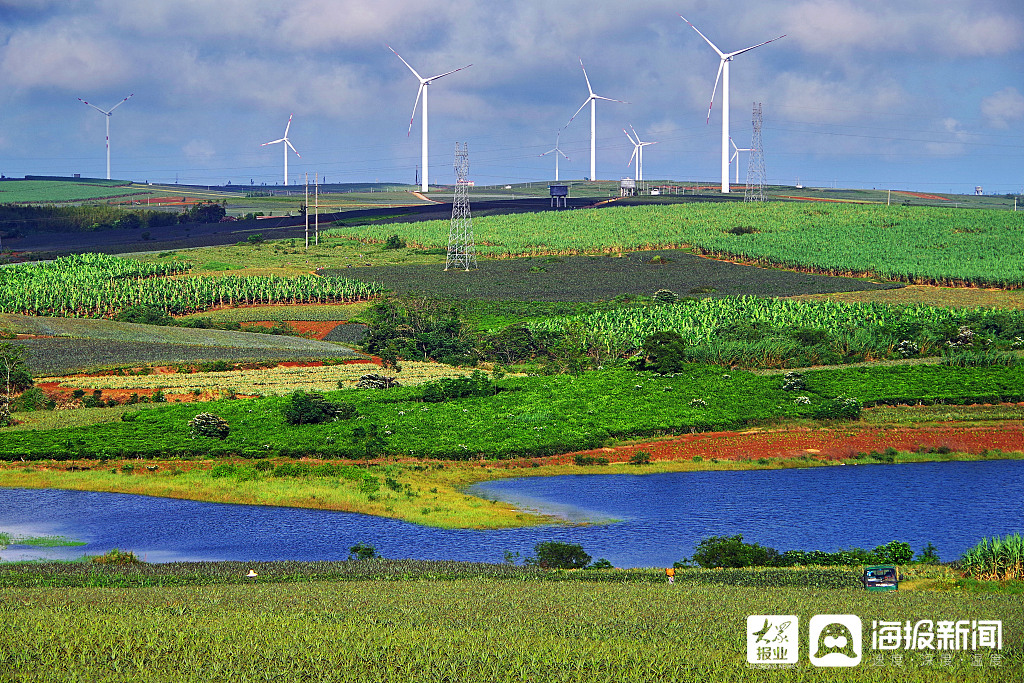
(710, 184)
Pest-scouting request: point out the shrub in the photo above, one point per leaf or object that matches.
(208, 424)
(32, 399)
(362, 551)
(665, 296)
(793, 381)
(731, 551)
(394, 242)
(374, 381)
(447, 389)
(557, 555)
(839, 408)
(584, 460)
(640, 458)
(313, 408)
(665, 352)
(118, 557)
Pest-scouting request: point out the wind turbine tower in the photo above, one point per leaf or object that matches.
(736, 157)
(424, 82)
(557, 151)
(723, 74)
(107, 114)
(592, 100)
(286, 144)
(638, 152)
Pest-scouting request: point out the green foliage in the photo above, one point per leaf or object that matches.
(32, 399)
(415, 328)
(117, 557)
(145, 314)
(731, 551)
(453, 388)
(640, 458)
(314, 408)
(995, 559)
(838, 408)
(558, 555)
(14, 372)
(362, 551)
(665, 352)
(204, 212)
(209, 425)
(394, 242)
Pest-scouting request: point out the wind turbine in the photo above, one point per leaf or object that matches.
(736, 157)
(107, 114)
(638, 151)
(558, 151)
(287, 144)
(723, 74)
(592, 100)
(424, 82)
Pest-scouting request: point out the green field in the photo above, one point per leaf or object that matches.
(911, 244)
(485, 630)
(54, 191)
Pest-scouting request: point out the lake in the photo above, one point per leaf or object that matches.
(633, 520)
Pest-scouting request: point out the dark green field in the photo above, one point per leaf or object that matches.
(594, 278)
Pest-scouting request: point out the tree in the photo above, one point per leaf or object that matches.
(556, 555)
(731, 551)
(17, 377)
(665, 352)
(313, 408)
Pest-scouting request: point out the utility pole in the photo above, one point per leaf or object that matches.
(305, 210)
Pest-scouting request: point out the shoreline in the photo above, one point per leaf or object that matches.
(428, 493)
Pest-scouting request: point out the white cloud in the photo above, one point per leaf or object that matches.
(70, 57)
(199, 151)
(1003, 108)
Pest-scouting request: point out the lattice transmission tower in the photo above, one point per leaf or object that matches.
(461, 250)
(754, 191)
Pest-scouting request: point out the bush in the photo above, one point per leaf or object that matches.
(32, 399)
(839, 408)
(731, 551)
(208, 424)
(394, 242)
(447, 389)
(556, 555)
(640, 458)
(373, 381)
(362, 551)
(313, 408)
(665, 352)
(665, 296)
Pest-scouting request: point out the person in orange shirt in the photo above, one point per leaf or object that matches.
(671, 573)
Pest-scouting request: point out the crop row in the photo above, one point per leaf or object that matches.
(95, 285)
(914, 244)
(703, 321)
(472, 631)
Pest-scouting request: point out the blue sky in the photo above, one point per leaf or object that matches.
(923, 95)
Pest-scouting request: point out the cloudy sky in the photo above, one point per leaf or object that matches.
(925, 95)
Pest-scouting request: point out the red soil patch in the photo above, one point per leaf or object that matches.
(922, 196)
(823, 444)
(316, 329)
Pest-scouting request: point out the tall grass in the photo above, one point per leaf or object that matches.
(998, 559)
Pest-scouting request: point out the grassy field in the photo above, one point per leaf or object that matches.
(50, 191)
(459, 630)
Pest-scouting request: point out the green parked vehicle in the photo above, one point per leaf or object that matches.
(881, 577)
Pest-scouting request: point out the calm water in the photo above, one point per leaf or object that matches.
(658, 518)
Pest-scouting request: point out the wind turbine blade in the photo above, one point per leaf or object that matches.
(94, 106)
(714, 90)
(272, 142)
(609, 99)
(713, 46)
(287, 126)
(635, 148)
(121, 102)
(414, 105)
(414, 73)
(739, 52)
(630, 137)
(731, 142)
(564, 155)
(548, 152)
(591, 90)
(585, 103)
(434, 78)
(289, 143)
